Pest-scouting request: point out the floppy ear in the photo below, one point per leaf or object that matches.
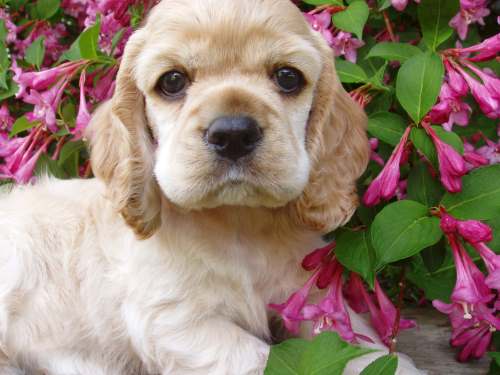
(122, 150)
(339, 151)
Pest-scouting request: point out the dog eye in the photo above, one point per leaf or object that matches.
(173, 83)
(288, 79)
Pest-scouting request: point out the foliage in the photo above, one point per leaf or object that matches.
(425, 72)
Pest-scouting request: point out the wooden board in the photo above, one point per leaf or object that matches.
(428, 345)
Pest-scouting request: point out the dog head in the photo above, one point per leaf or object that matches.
(222, 102)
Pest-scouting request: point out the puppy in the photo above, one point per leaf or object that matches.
(228, 148)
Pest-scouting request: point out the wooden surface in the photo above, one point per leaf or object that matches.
(428, 345)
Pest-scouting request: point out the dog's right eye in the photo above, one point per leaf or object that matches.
(173, 83)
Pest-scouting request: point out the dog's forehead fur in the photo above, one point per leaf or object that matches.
(217, 16)
(210, 38)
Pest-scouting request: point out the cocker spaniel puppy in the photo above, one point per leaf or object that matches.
(228, 148)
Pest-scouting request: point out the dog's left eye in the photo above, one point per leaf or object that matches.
(289, 79)
(173, 83)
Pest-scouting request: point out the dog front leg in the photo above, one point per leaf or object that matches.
(214, 346)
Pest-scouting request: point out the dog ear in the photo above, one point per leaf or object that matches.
(338, 147)
(122, 150)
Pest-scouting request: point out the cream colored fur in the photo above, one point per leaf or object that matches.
(165, 263)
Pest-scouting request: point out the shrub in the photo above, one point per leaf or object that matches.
(426, 73)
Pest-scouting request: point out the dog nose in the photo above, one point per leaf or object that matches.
(233, 137)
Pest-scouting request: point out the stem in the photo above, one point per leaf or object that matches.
(395, 328)
(59, 146)
(388, 26)
(88, 170)
(330, 8)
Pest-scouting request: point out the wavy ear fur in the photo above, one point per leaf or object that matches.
(122, 150)
(338, 146)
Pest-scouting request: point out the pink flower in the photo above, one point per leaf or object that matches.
(473, 159)
(451, 163)
(374, 156)
(471, 11)
(8, 145)
(473, 333)
(450, 110)
(492, 262)
(344, 44)
(400, 5)
(6, 120)
(455, 80)
(383, 314)
(52, 40)
(489, 105)
(105, 86)
(490, 81)
(353, 293)
(321, 22)
(291, 310)
(21, 156)
(487, 49)
(45, 78)
(386, 183)
(46, 104)
(474, 231)
(314, 259)
(472, 321)
(331, 313)
(11, 27)
(490, 151)
(470, 287)
(83, 117)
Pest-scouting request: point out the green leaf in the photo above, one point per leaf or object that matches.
(86, 45)
(424, 143)
(35, 52)
(434, 256)
(384, 4)
(434, 17)
(45, 165)
(349, 72)
(495, 356)
(3, 31)
(422, 187)
(377, 79)
(393, 51)
(284, 358)
(324, 2)
(436, 285)
(328, 355)
(16, 4)
(403, 229)
(355, 251)
(22, 124)
(418, 84)
(386, 365)
(480, 195)
(69, 149)
(88, 41)
(387, 126)
(10, 91)
(353, 19)
(47, 8)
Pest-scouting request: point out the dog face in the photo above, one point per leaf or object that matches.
(223, 102)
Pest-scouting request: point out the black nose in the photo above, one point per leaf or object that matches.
(233, 137)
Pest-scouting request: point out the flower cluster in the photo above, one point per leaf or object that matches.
(342, 43)
(485, 89)
(44, 97)
(331, 312)
(475, 303)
